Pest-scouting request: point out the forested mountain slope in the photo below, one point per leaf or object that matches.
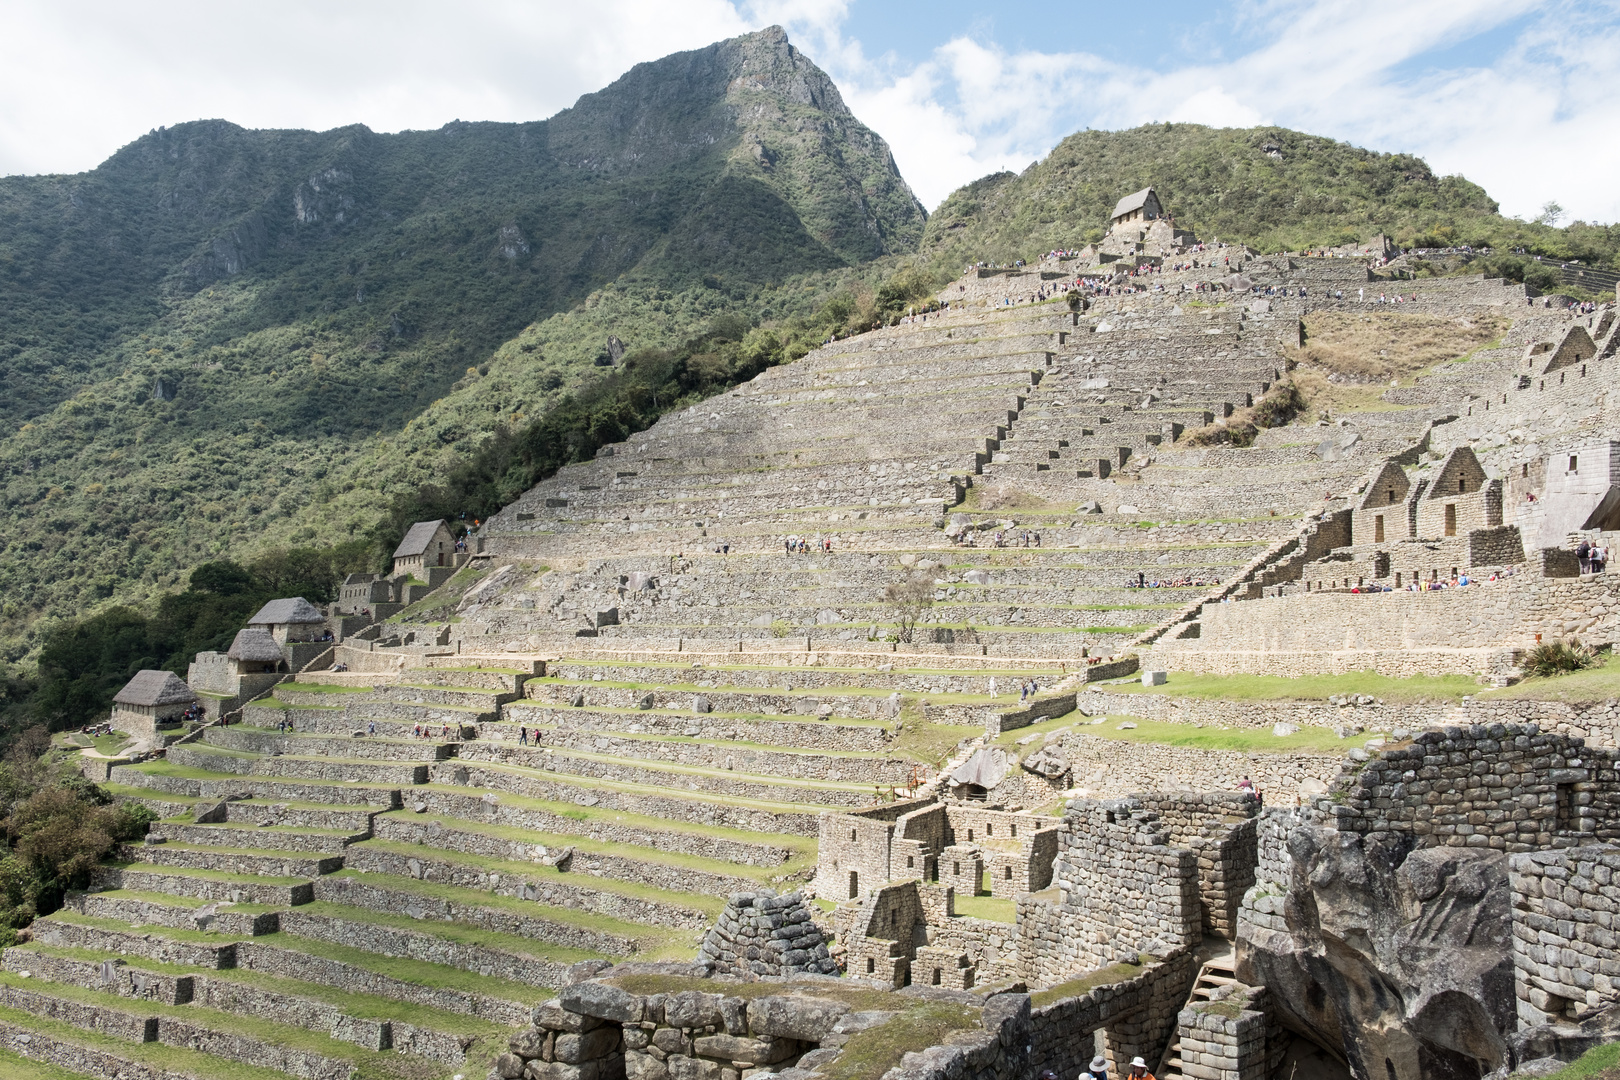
(218, 332)
(1269, 187)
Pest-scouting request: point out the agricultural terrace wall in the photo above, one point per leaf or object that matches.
(1243, 713)
(1485, 615)
(1115, 767)
(1504, 786)
(1597, 722)
(1121, 889)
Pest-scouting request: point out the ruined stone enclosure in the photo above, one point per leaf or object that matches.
(674, 677)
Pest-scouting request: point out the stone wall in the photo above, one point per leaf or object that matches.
(760, 933)
(1503, 786)
(1137, 1014)
(1219, 829)
(1227, 1039)
(1114, 767)
(1240, 713)
(1121, 889)
(1563, 933)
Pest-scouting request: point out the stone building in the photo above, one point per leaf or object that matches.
(1460, 498)
(1140, 228)
(290, 620)
(254, 662)
(1571, 490)
(426, 544)
(150, 700)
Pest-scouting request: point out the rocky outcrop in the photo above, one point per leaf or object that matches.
(1398, 959)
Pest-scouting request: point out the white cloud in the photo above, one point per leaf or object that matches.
(1532, 122)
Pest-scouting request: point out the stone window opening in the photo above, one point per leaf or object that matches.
(1451, 519)
(1397, 579)
(911, 862)
(1378, 529)
(1574, 463)
(1015, 830)
(852, 834)
(956, 869)
(970, 834)
(937, 974)
(1006, 874)
(989, 829)
(1566, 808)
(1525, 470)
(871, 965)
(854, 885)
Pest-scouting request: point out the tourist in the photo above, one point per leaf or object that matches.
(1098, 1070)
(1599, 556)
(1583, 553)
(1139, 1070)
(523, 736)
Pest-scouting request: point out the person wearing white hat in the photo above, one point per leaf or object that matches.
(1139, 1070)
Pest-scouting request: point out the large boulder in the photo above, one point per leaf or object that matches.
(1400, 959)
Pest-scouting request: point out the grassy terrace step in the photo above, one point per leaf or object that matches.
(673, 779)
(205, 785)
(230, 1036)
(584, 817)
(334, 971)
(652, 796)
(53, 1041)
(595, 859)
(217, 760)
(850, 705)
(205, 884)
(465, 696)
(209, 857)
(805, 733)
(298, 814)
(177, 912)
(768, 676)
(259, 741)
(432, 901)
(69, 929)
(240, 836)
(625, 900)
(470, 948)
(734, 756)
(370, 1021)
(392, 722)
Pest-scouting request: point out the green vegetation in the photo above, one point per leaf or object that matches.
(987, 907)
(871, 1053)
(1085, 984)
(1599, 681)
(1307, 740)
(58, 825)
(1552, 658)
(1220, 183)
(16, 1067)
(1309, 687)
(1600, 1063)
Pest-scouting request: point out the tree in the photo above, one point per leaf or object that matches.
(908, 600)
(1550, 214)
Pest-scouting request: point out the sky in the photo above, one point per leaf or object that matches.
(1513, 94)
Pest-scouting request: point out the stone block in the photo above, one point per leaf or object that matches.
(572, 1049)
(601, 1000)
(805, 1018)
(693, 1009)
(689, 1068)
(643, 1066)
(552, 1016)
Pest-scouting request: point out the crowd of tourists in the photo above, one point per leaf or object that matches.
(1197, 582)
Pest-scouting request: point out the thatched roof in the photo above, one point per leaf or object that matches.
(418, 537)
(292, 610)
(1134, 201)
(255, 645)
(155, 688)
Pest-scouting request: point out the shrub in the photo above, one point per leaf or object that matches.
(908, 600)
(1558, 658)
(780, 627)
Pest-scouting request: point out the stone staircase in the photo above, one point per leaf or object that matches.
(1216, 973)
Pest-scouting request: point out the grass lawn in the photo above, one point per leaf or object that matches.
(16, 1067)
(1594, 684)
(871, 1053)
(1088, 982)
(323, 688)
(1312, 687)
(987, 907)
(1600, 1062)
(1308, 740)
